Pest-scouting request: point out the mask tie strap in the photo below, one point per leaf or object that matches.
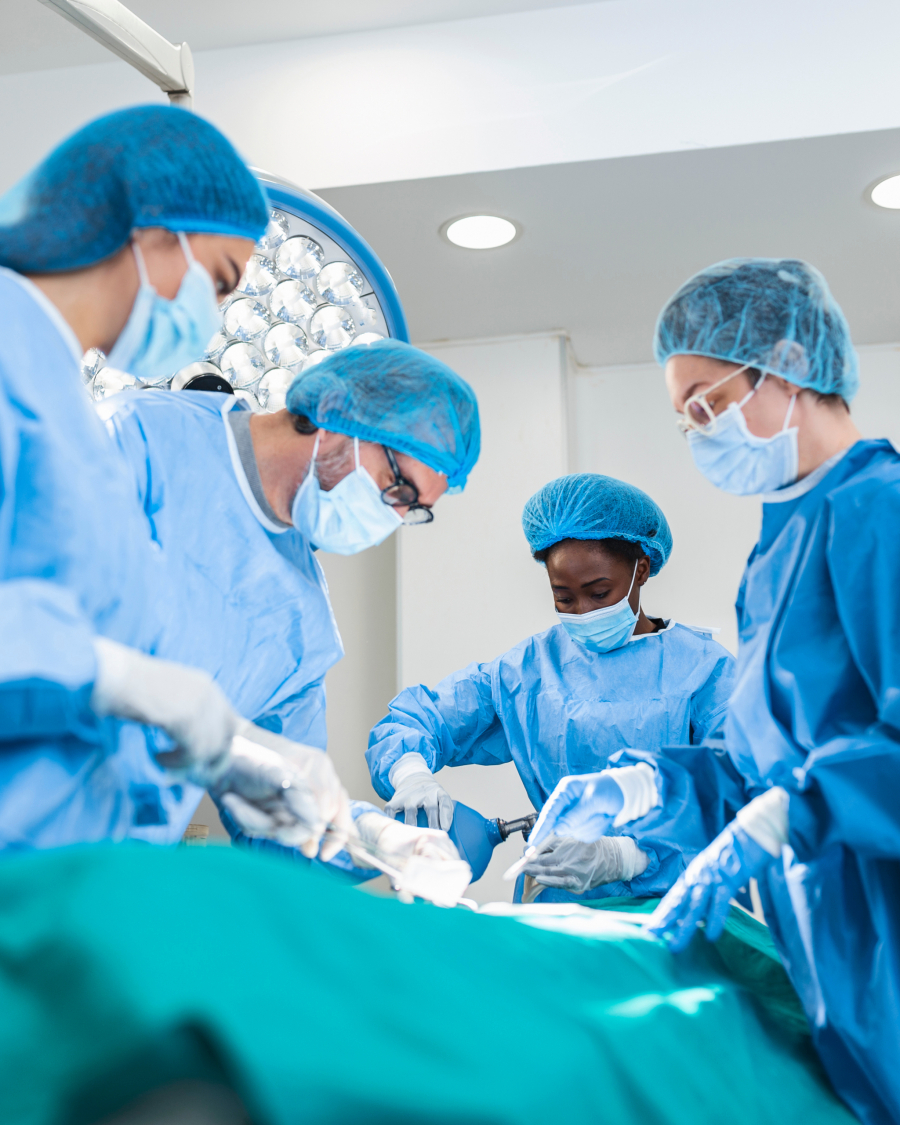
(186, 248)
(312, 460)
(631, 587)
(790, 411)
(141, 266)
(751, 393)
(356, 452)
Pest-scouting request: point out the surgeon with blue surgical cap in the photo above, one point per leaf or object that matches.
(125, 238)
(370, 439)
(601, 690)
(761, 370)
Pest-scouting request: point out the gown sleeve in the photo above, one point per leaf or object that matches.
(47, 663)
(454, 724)
(709, 704)
(848, 786)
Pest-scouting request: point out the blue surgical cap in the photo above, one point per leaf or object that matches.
(775, 314)
(591, 506)
(150, 166)
(396, 395)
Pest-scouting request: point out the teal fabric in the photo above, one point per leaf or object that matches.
(125, 968)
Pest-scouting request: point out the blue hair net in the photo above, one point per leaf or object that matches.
(776, 314)
(394, 394)
(150, 166)
(591, 506)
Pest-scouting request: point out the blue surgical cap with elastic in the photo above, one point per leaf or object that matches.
(396, 395)
(591, 506)
(774, 314)
(149, 166)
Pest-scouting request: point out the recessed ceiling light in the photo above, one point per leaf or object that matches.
(480, 232)
(886, 193)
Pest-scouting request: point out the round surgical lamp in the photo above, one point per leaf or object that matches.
(312, 287)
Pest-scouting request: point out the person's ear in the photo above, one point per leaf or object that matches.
(330, 442)
(643, 571)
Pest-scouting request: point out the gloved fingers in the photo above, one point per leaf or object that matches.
(333, 842)
(431, 811)
(697, 905)
(251, 819)
(665, 920)
(445, 811)
(437, 850)
(558, 878)
(717, 913)
(411, 815)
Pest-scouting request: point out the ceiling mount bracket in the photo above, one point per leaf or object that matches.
(171, 67)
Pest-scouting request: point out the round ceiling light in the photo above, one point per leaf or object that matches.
(886, 193)
(480, 232)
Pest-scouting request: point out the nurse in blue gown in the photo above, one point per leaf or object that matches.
(124, 238)
(759, 363)
(606, 685)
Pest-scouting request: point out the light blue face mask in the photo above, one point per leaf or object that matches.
(161, 336)
(348, 518)
(606, 628)
(739, 462)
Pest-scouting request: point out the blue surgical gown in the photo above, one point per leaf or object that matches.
(555, 709)
(253, 606)
(75, 561)
(816, 709)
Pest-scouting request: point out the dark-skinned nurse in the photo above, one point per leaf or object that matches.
(603, 687)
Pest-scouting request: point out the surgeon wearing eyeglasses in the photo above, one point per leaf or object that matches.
(240, 503)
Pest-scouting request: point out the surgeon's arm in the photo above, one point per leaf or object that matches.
(453, 724)
(847, 790)
(47, 663)
(709, 704)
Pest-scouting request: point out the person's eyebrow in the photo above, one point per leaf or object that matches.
(590, 582)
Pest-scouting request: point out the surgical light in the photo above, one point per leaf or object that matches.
(311, 288)
(886, 193)
(480, 232)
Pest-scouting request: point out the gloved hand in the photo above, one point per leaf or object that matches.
(414, 789)
(741, 852)
(280, 789)
(184, 702)
(587, 805)
(577, 866)
(398, 842)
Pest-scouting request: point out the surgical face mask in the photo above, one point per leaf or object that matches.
(161, 336)
(603, 629)
(349, 517)
(739, 462)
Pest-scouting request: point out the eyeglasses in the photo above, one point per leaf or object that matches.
(404, 494)
(699, 415)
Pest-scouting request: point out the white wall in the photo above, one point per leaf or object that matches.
(468, 588)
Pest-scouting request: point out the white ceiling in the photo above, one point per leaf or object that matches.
(606, 242)
(37, 38)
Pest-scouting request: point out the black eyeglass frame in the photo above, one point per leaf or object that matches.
(404, 494)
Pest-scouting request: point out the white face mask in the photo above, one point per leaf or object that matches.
(348, 518)
(739, 462)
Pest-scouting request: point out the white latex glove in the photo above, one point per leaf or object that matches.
(425, 861)
(399, 842)
(577, 866)
(184, 702)
(415, 788)
(280, 789)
